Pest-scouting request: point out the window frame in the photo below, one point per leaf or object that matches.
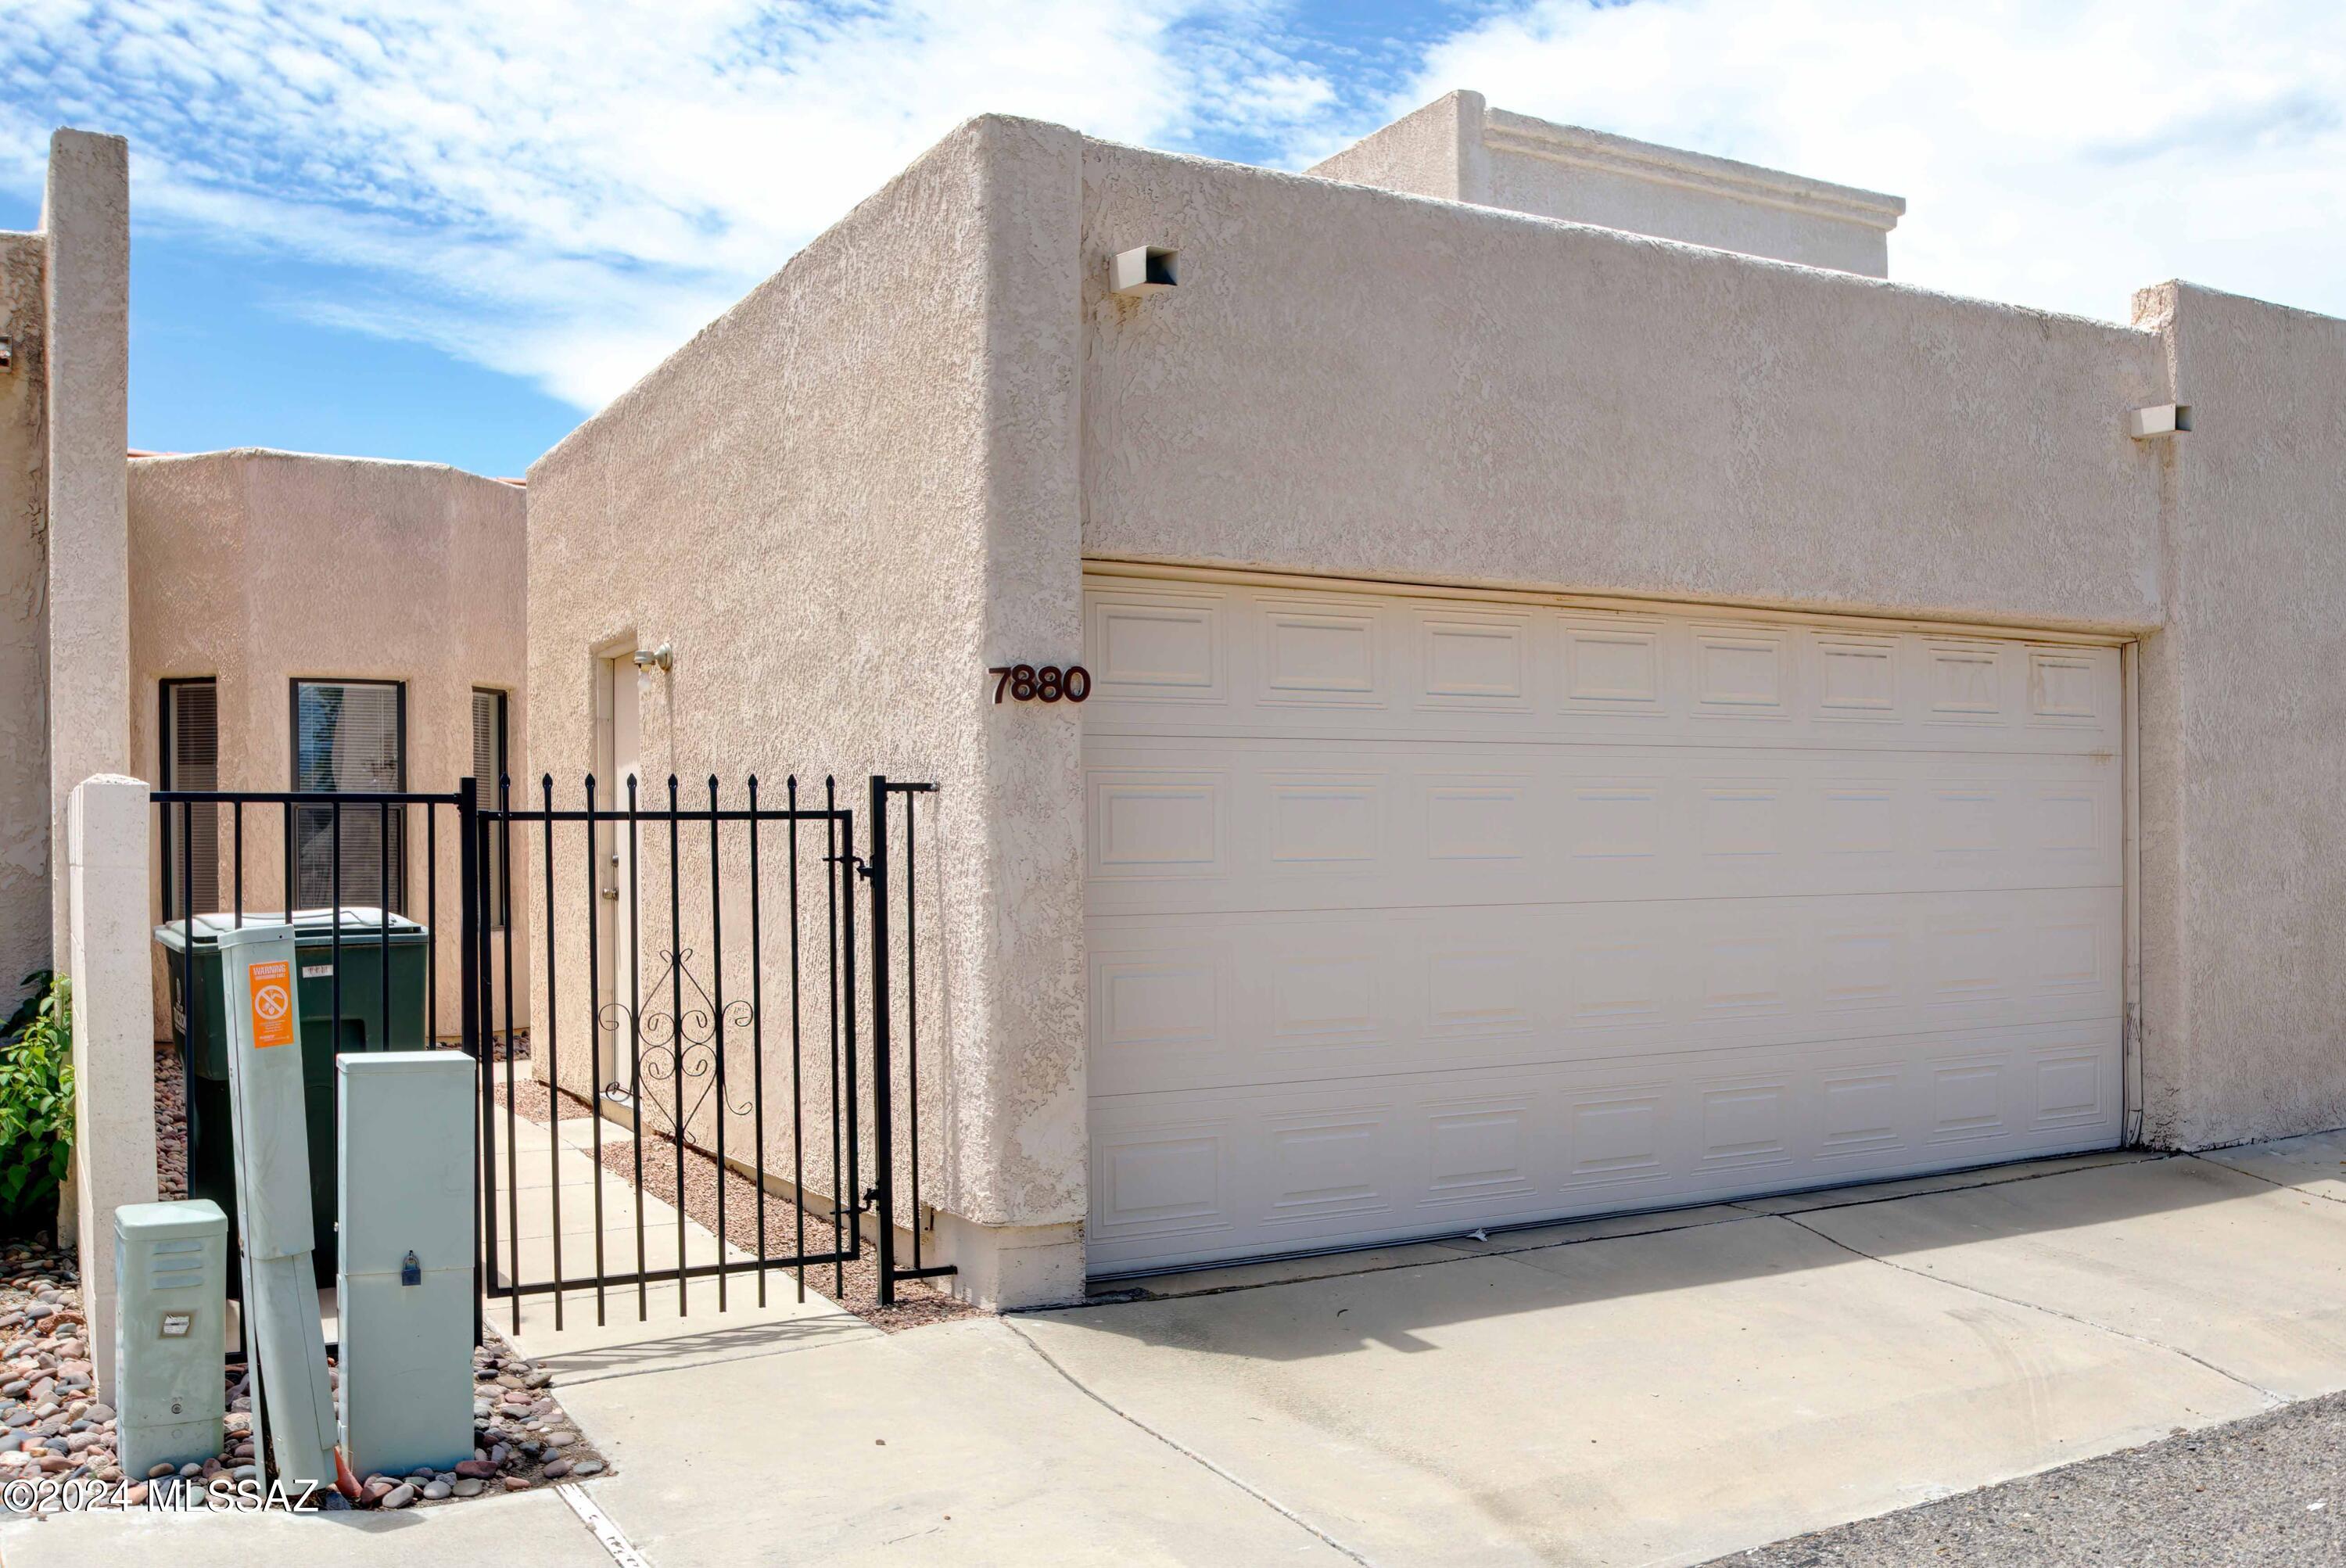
(167, 770)
(399, 785)
(484, 791)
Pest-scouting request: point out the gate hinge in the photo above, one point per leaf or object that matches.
(871, 1200)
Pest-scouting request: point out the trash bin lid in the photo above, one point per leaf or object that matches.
(310, 926)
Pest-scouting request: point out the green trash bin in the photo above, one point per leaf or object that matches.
(366, 1025)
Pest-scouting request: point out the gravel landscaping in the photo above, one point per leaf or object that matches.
(170, 1126)
(522, 1438)
(55, 1425)
(2267, 1492)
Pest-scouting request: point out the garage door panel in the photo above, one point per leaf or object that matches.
(1299, 996)
(1239, 823)
(1268, 661)
(1408, 914)
(1217, 1174)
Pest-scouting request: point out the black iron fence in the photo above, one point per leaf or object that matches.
(692, 1013)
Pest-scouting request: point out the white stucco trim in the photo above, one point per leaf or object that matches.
(1505, 131)
(1339, 582)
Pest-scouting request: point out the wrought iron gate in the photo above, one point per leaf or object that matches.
(720, 944)
(753, 964)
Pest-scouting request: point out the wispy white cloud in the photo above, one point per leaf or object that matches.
(2058, 153)
(565, 191)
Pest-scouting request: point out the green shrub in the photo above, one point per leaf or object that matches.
(35, 1105)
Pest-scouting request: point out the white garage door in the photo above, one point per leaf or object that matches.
(1411, 914)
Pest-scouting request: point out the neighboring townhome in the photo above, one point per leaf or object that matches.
(1573, 693)
(325, 624)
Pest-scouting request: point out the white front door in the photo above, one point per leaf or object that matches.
(622, 957)
(1411, 914)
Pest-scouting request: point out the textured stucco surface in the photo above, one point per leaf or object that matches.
(882, 472)
(1458, 148)
(106, 842)
(1352, 381)
(2244, 852)
(85, 215)
(1434, 152)
(840, 503)
(24, 620)
(259, 567)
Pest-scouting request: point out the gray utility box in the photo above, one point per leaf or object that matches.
(171, 1267)
(406, 1275)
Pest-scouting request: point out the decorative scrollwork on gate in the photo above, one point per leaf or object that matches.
(676, 1052)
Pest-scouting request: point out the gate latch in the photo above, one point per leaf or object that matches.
(411, 1272)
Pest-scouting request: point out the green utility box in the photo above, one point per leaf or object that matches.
(367, 1025)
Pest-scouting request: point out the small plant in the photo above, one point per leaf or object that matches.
(36, 1105)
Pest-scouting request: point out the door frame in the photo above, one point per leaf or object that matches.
(614, 676)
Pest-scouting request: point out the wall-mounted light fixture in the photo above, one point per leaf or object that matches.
(1143, 270)
(662, 656)
(2164, 419)
(7, 355)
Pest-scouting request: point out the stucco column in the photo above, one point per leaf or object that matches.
(25, 815)
(113, 1009)
(86, 217)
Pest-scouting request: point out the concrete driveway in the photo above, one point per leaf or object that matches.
(1587, 1395)
(1659, 1390)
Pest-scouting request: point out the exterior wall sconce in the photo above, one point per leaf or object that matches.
(2164, 419)
(1143, 270)
(662, 657)
(7, 355)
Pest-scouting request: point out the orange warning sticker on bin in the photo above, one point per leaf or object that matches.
(272, 1005)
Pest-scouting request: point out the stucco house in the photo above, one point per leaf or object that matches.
(1593, 697)
(303, 622)
(1554, 687)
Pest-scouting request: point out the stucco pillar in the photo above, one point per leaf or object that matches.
(114, 1059)
(2244, 856)
(24, 816)
(85, 217)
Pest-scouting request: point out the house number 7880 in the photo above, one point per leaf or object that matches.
(1024, 682)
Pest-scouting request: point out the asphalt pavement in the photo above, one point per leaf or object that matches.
(2266, 1489)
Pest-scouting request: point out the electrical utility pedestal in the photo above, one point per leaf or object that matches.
(284, 1337)
(406, 1281)
(170, 1263)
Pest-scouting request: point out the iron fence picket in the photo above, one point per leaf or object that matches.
(691, 1045)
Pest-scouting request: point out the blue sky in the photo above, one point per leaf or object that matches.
(448, 229)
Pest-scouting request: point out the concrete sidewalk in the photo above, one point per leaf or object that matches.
(1655, 1390)
(568, 1194)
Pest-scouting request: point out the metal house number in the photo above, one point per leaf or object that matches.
(1024, 682)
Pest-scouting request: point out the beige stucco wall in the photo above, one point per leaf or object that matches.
(840, 504)
(258, 567)
(24, 620)
(1352, 381)
(85, 219)
(1436, 150)
(2244, 849)
(1457, 148)
(882, 472)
